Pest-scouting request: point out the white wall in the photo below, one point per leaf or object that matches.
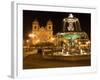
(5, 37)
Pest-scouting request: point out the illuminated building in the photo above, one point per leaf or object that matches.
(42, 33)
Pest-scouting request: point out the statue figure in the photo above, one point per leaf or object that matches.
(71, 23)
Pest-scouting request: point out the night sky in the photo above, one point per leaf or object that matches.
(56, 18)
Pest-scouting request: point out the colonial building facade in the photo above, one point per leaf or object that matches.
(42, 33)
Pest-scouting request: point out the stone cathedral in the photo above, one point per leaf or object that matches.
(42, 33)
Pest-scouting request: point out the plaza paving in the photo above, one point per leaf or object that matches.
(34, 61)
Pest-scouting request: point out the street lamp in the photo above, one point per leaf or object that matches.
(27, 41)
(52, 39)
(31, 35)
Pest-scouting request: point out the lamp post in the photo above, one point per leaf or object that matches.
(31, 37)
(27, 41)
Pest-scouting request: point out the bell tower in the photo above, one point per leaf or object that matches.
(49, 28)
(35, 25)
(49, 25)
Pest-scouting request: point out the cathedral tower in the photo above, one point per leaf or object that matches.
(35, 25)
(49, 25)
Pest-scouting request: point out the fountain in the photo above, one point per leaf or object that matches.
(73, 42)
(71, 23)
